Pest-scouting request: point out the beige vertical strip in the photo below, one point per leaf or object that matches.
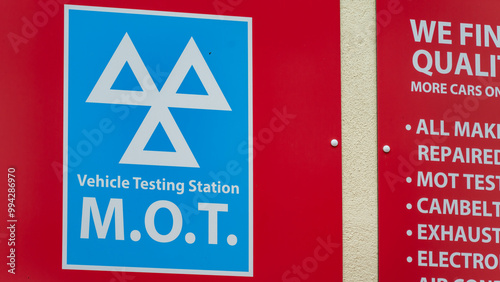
(359, 139)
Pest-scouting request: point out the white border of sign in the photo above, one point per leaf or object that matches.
(65, 265)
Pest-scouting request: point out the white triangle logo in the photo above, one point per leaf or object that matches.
(159, 101)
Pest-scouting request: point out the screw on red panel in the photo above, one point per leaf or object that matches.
(386, 149)
(334, 142)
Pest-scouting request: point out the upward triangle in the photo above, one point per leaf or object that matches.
(126, 80)
(159, 141)
(192, 57)
(192, 84)
(125, 53)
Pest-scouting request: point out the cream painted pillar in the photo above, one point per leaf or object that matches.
(359, 144)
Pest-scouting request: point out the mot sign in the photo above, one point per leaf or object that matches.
(439, 131)
(160, 190)
(179, 141)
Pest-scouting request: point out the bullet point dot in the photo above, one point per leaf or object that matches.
(408, 179)
(408, 206)
(409, 233)
(408, 127)
(409, 259)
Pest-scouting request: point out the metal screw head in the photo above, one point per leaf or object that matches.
(386, 149)
(334, 142)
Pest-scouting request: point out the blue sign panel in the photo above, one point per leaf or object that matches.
(158, 119)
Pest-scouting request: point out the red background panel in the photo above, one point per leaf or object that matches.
(297, 174)
(399, 106)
